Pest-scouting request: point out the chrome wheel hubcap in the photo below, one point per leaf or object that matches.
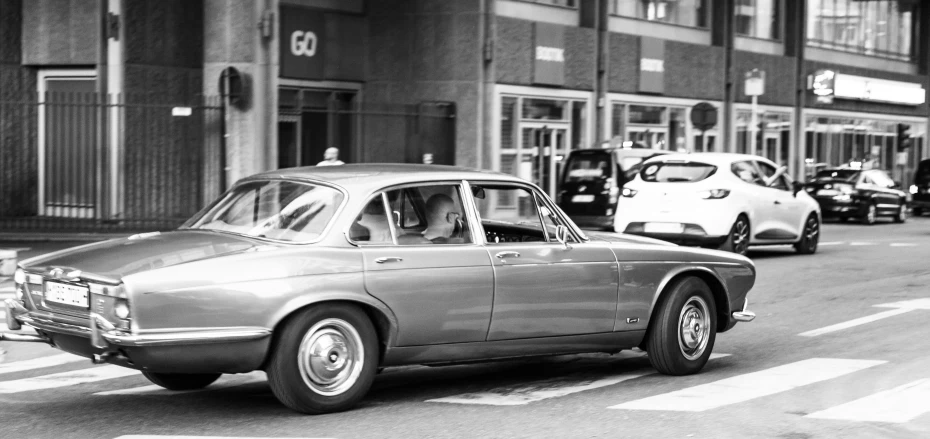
(813, 232)
(693, 328)
(331, 357)
(903, 213)
(740, 237)
(871, 214)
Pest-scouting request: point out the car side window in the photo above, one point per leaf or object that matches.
(372, 225)
(508, 213)
(429, 214)
(747, 172)
(551, 220)
(768, 171)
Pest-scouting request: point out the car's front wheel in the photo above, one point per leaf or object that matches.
(324, 359)
(182, 381)
(738, 239)
(810, 237)
(871, 215)
(901, 216)
(681, 335)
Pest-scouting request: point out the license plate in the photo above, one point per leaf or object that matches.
(827, 192)
(67, 294)
(663, 227)
(582, 198)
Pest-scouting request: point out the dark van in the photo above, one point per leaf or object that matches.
(920, 202)
(592, 180)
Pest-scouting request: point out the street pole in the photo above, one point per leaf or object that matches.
(753, 124)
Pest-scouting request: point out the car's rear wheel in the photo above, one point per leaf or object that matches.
(738, 239)
(901, 216)
(810, 237)
(682, 333)
(182, 381)
(870, 215)
(324, 359)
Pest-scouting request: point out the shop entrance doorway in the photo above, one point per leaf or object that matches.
(543, 151)
(310, 121)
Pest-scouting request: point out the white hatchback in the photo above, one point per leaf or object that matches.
(730, 201)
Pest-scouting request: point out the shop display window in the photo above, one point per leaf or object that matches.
(692, 13)
(773, 135)
(884, 28)
(658, 126)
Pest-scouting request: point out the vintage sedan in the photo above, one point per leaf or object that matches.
(322, 276)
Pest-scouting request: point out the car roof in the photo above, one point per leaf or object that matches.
(376, 175)
(711, 158)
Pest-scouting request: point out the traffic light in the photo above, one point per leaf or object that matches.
(904, 137)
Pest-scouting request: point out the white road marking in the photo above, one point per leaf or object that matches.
(898, 405)
(903, 244)
(861, 243)
(544, 389)
(155, 436)
(908, 304)
(38, 363)
(831, 243)
(224, 382)
(749, 386)
(65, 379)
(855, 322)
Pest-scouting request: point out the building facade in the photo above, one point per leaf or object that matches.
(227, 88)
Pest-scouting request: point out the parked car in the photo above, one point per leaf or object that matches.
(730, 201)
(321, 276)
(920, 191)
(865, 195)
(592, 180)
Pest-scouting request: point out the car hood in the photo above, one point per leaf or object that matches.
(120, 257)
(624, 238)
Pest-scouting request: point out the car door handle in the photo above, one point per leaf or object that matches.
(777, 202)
(503, 255)
(388, 259)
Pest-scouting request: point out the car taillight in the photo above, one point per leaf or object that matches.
(628, 193)
(714, 194)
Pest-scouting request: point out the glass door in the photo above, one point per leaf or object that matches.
(542, 152)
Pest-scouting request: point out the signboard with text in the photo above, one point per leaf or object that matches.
(301, 45)
(651, 65)
(549, 54)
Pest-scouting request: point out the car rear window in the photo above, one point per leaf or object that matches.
(837, 174)
(676, 172)
(587, 167)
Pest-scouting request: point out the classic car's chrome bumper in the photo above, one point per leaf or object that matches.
(103, 334)
(745, 315)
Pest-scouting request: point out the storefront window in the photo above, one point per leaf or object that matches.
(546, 109)
(691, 13)
(837, 141)
(758, 19)
(647, 115)
(884, 28)
(654, 126)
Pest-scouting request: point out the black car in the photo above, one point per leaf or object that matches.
(865, 195)
(921, 189)
(592, 180)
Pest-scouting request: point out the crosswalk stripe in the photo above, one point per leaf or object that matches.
(38, 363)
(544, 389)
(855, 322)
(749, 386)
(65, 379)
(225, 382)
(899, 405)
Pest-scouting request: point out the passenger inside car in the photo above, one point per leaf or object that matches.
(375, 221)
(441, 219)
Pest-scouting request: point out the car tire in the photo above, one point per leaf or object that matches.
(810, 236)
(901, 216)
(870, 215)
(311, 383)
(738, 239)
(681, 335)
(181, 381)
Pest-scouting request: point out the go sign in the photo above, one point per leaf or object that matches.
(302, 43)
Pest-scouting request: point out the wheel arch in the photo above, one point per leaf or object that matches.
(717, 287)
(382, 318)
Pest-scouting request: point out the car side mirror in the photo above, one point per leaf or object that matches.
(797, 187)
(562, 235)
(896, 185)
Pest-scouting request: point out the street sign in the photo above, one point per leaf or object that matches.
(704, 116)
(755, 83)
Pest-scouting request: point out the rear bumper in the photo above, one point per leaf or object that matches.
(832, 208)
(693, 234)
(595, 222)
(227, 350)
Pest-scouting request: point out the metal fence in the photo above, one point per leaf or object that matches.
(86, 162)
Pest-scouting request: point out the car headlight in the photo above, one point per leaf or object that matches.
(714, 194)
(628, 193)
(121, 309)
(913, 188)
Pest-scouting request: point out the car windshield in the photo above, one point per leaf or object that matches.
(676, 172)
(276, 209)
(837, 174)
(588, 166)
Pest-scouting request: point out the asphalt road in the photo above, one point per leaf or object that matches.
(850, 375)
